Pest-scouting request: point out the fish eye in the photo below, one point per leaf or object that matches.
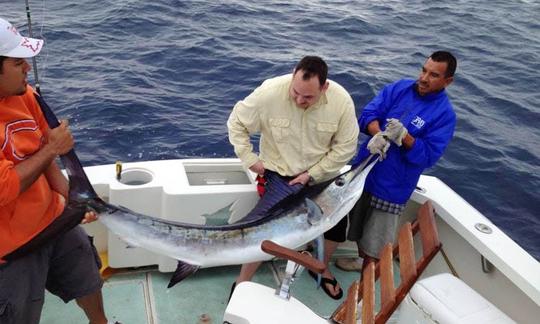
(340, 182)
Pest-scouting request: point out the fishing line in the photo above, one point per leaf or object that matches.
(30, 34)
(34, 62)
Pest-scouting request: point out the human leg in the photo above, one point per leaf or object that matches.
(380, 228)
(92, 305)
(357, 217)
(328, 282)
(22, 288)
(332, 286)
(333, 238)
(247, 271)
(75, 274)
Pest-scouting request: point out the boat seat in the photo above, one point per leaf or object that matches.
(445, 299)
(257, 304)
(253, 303)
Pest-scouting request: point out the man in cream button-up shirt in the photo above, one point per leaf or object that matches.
(307, 124)
(308, 127)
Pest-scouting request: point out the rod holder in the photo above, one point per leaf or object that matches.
(118, 170)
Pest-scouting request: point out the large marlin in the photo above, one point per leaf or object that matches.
(292, 222)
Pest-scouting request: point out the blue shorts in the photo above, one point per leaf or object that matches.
(68, 267)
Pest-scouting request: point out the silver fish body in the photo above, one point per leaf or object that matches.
(208, 246)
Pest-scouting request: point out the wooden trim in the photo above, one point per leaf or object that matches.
(410, 269)
(352, 303)
(303, 259)
(388, 292)
(368, 293)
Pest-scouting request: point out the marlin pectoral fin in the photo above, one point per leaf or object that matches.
(319, 250)
(314, 212)
(183, 270)
(319, 241)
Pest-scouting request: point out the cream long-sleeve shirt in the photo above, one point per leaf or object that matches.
(320, 139)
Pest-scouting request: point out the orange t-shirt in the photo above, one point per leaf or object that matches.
(22, 215)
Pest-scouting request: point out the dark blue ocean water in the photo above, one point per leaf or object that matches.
(144, 80)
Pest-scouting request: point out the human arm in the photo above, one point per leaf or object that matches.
(342, 147)
(257, 168)
(397, 133)
(429, 146)
(378, 144)
(243, 121)
(57, 141)
(373, 127)
(408, 141)
(303, 178)
(376, 110)
(58, 182)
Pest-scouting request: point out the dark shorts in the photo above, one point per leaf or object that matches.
(68, 267)
(338, 233)
(371, 228)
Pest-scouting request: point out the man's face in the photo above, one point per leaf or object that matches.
(432, 77)
(305, 93)
(13, 77)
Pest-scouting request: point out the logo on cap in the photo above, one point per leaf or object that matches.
(26, 43)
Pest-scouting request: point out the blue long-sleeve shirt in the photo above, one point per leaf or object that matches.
(430, 119)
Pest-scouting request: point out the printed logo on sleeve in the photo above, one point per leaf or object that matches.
(22, 138)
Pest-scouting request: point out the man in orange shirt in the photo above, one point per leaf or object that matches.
(33, 193)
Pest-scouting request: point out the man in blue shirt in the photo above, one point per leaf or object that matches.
(410, 123)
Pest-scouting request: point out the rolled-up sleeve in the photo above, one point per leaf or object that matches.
(243, 121)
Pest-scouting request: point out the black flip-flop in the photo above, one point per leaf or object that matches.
(325, 281)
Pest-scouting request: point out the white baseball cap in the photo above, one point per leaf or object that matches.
(12, 44)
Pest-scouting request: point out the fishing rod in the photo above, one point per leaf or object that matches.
(34, 61)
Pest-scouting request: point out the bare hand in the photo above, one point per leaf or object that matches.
(59, 139)
(302, 178)
(258, 168)
(89, 217)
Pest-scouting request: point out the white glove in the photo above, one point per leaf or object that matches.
(378, 144)
(395, 131)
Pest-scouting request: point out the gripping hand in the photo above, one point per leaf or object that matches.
(378, 144)
(395, 131)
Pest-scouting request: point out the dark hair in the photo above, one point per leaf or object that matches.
(313, 66)
(2, 58)
(444, 56)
